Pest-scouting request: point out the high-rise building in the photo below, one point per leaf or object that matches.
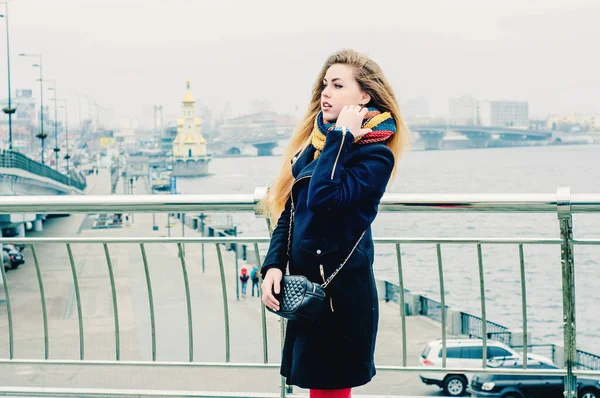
(503, 114)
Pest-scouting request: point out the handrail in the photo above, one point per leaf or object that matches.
(10, 159)
(562, 203)
(528, 203)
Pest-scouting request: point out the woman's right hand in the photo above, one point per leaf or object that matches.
(271, 283)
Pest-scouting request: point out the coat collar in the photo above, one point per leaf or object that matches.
(304, 165)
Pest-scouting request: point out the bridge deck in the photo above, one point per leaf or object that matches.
(171, 320)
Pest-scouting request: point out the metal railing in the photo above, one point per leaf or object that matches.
(473, 327)
(432, 309)
(586, 360)
(10, 159)
(547, 350)
(562, 203)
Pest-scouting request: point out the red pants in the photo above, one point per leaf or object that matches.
(342, 393)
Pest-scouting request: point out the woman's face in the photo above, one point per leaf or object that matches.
(340, 89)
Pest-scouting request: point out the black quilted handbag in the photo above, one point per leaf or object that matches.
(299, 298)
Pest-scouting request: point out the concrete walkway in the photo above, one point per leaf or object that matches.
(172, 338)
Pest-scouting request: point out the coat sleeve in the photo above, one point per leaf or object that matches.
(277, 256)
(334, 186)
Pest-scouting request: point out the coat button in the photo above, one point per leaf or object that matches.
(318, 251)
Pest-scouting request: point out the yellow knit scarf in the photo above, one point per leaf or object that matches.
(372, 120)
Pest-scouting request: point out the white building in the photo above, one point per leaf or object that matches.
(503, 113)
(462, 110)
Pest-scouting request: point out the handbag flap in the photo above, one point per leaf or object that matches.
(293, 289)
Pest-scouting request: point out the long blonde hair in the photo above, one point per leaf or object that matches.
(371, 80)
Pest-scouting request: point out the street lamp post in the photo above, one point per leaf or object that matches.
(79, 114)
(202, 216)
(56, 148)
(9, 110)
(67, 156)
(41, 134)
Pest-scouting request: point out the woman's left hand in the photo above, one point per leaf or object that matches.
(352, 117)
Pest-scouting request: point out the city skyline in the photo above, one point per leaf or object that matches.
(237, 52)
(461, 111)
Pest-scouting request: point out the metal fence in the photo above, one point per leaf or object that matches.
(433, 309)
(547, 350)
(473, 327)
(17, 160)
(586, 360)
(562, 203)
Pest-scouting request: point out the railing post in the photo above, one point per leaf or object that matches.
(284, 387)
(565, 218)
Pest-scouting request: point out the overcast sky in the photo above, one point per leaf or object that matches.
(132, 54)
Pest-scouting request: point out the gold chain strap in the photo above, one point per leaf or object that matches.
(324, 285)
(290, 232)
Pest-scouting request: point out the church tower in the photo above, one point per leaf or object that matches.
(189, 142)
(190, 157)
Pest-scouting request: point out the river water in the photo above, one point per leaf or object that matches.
(497, 170)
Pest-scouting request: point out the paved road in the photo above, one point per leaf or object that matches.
(171, 331)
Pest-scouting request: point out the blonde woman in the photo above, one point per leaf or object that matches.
(335, 171)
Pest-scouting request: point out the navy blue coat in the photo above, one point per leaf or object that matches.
(335, 199)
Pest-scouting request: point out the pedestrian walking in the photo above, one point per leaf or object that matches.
(255, 276)
(244, 280)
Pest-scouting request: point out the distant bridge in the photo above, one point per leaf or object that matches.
(433, 134)
(263, 145)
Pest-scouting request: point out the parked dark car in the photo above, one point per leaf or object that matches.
(525, 386)
(15, 257)
(9, 233)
